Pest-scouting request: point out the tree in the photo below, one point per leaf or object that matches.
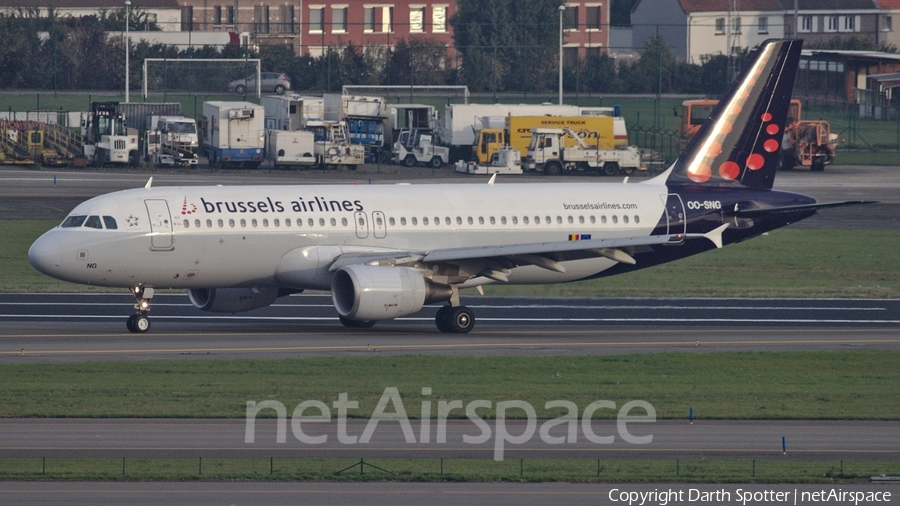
(14, 52)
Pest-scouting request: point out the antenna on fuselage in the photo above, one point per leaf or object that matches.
(493, 178)
(149, 182)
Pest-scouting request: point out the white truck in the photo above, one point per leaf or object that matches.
(107, 139)
(507, 161)
(332, 146)
(171, 141)
(417, 146)
(291, 149)
(545, 154)
(234, 134)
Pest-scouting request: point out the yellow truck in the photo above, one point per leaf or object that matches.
(596, 131)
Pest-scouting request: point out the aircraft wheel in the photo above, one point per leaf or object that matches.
(442, 320)
(138, 323)
(460, 320)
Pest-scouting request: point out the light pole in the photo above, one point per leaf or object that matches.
(562, 10)
(127, 40)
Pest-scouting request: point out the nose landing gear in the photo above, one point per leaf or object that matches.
(139, 322)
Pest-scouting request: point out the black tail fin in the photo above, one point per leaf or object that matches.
(740, 143)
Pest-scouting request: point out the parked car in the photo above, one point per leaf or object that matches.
(269, 81)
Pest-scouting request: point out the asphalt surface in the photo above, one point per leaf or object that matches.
(52, 328)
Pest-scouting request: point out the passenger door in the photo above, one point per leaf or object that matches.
(160, 224)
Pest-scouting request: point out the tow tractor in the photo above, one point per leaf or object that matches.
(417, 146)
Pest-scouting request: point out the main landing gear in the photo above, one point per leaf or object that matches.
(455, 319)
(139, 322)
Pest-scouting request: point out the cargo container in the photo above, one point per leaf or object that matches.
(233, 134)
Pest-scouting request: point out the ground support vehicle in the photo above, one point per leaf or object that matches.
(507, 161)
(417, 147)
(547, 153)
(365, 118)
(291, 149)
(291, 112)
(596, 131)
(13, 148)
(107, 138)
(332, 146)
(172, 142)
(233, 134)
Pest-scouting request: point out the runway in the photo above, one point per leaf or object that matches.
(36, 328)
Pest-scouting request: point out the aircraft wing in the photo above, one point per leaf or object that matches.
(543, 254)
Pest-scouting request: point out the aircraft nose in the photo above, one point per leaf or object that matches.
(46, 255)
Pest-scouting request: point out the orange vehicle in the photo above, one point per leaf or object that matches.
(806, 143)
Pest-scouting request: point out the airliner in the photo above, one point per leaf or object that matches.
(385, 251)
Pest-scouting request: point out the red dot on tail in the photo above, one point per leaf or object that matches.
(771, 145)
(772, 129)
(729, 170)
(755, 161)
(701, 174)
(767, 116)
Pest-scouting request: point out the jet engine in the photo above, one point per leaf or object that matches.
(231, 300)
(362, 292)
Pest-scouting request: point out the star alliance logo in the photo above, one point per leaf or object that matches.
(132, 220)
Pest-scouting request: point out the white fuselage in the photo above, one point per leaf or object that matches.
(287, 236)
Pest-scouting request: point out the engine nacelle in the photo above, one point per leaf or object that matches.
(362, 292)
(231, 300)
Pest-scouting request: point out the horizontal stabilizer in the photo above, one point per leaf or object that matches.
(765, 211)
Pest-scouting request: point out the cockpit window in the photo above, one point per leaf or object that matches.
(110, 223)
(93, 222)
(73, 221)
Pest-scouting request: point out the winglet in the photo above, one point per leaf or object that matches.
(493, 178)
(149, 182)
(716, 235)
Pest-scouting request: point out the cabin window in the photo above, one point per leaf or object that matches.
(414, 222)
(403, 221)
(559, 220)
(581, 219)
(311, 222)
(344, 221)
(197, 223)
(525, 220)
(221, 224)
(437, 220)
(187, 223)
(537, 220)
(333, 222)
(458, 220)
(73, 221)
(287, 223)
(571, 220)
(93, 222)
(425, 220)
(243, 223)
(110, 223)
(471, 221)
(593, 219)
(231, 223)
(515, 220)
(299, 222)
(321, 222)
(493, 221)
(481, 220)
(209, 223)
(276, 222)
(254, 223)
(265, 222)
(625, 219)
(615, 219)
(503, 220)
(378, 220)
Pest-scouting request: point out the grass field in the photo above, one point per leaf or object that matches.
(453, 470)
(785, 263)
(791, 385)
